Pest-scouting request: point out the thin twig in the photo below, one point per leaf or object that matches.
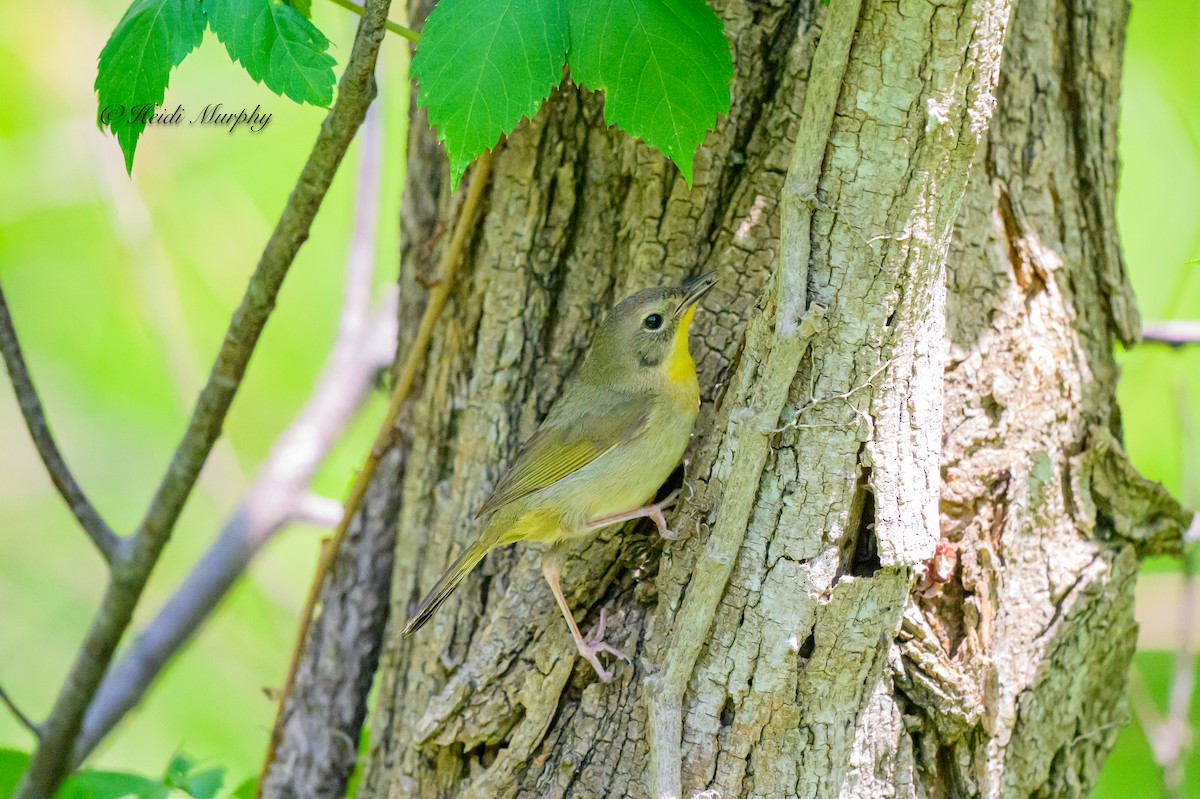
(365, 344)
(278, 498)
(1183, 678)
(1173, 334)
(39, 430)
(25, 721)
(55, 754)
(1168, 735)
(407, 33)
(404, 381)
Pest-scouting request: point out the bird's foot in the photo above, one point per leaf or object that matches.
(594, 644)
(655, 512)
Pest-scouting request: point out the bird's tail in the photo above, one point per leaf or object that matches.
(446, 584)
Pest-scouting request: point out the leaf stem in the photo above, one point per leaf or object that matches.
(407, 33)
(26, 722)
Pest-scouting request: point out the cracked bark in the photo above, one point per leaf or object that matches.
(961, 390)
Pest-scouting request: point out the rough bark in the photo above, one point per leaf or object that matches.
(958, 388)
(318, 748)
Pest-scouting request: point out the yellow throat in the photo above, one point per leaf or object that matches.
(681, 369)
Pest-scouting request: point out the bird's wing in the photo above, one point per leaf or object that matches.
(566, 442)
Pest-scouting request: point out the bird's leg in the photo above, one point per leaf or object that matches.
(594, 644)
(653, 511)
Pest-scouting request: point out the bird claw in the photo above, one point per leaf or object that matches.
(595, 644)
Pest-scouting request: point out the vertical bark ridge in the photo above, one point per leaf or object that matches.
(1012, 675)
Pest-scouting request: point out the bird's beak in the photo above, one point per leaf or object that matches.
(693, 289)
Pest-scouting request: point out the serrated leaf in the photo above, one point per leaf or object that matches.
(131, 80)
(277, 46)
(482, 65)
(664, 67)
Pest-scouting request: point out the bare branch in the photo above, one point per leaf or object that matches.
(366, 343)
(318, 510)
(1169, 735)
(39, 430)
(404, 381)
(25, 721)
(1173, 334)
(1176, 738)
(55, 754)
(278, 496)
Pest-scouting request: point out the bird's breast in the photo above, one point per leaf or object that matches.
(628, 476)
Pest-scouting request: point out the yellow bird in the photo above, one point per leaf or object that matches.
(611, 439)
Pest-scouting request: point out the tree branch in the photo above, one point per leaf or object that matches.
(54, 756)
(1176, 333)
(39, 430)
(1176, 739)
(404, 381)
(366, 343)
(25, 721)
(400, 30)
(278, 497)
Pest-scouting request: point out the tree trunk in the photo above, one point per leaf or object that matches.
(933, 373)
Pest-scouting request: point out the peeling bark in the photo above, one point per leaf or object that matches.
(958, 388)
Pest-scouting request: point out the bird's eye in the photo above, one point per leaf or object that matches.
(653, 321)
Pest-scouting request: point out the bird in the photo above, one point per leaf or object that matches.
(617, 431)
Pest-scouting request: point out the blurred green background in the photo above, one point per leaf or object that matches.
(122, 288)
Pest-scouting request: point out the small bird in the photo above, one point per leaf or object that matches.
(618, 430)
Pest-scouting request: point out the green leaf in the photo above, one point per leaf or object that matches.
(12, 765)
(664, 66)
(205, 784)
(482, 65)
(247, 790)
(277, 46)
(183, 775)
(178, 768)
(303, 6)
(110, 785)
(152, 37)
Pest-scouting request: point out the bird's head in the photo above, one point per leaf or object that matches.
(645, 338)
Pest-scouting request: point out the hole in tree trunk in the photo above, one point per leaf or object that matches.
(862, 560)
(727, 711)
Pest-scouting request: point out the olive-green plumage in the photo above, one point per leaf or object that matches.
(618, 430)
